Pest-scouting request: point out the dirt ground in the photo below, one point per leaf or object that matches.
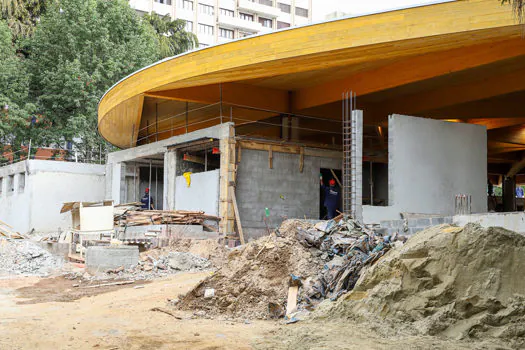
(50, 313)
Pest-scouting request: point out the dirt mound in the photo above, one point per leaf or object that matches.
(455, 282)
(207, 248)
(254, 281)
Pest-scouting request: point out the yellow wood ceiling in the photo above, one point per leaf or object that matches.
(307, 68)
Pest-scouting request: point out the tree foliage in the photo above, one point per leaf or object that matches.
(22, 15)
(79, 50)
(172, 36)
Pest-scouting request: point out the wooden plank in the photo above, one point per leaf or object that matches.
(292, 149)
(193, 159)
(291, 304)
(270, 157)
(237, 216)
(336, 178)
(301, 160)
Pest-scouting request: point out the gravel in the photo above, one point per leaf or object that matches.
(24, 257)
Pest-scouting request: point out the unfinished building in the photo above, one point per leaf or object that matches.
(244, 130)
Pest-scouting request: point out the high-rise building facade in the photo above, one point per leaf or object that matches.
(219, 21)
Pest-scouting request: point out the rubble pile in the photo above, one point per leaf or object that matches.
(153, 264)
(326, 257)
(448, 281)
(24, 257)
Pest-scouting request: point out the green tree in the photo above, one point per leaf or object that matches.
(15, 111)
(22, 15)
(79, 50)
(172, 35)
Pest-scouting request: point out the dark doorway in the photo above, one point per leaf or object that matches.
(326, 175)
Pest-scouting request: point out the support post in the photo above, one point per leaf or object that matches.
(509, 194)
(226, 211)
(170, 176)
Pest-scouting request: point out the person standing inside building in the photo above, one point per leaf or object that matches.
(147, 200)
(331, 198)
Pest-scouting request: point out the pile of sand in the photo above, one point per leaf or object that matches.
(449, 281)
(253, 284)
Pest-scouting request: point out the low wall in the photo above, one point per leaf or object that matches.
(100, 259)
(510, 221)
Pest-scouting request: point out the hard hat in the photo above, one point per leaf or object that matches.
(147, 189)
(332, 182)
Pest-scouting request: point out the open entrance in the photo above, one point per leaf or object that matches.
(326, 175)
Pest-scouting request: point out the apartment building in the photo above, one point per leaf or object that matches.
(219, 21)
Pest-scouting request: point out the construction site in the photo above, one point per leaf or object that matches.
(329, 186)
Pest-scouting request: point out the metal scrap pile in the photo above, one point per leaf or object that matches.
(349, 247)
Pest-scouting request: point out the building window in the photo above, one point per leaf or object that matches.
(266, 2)
(246, 16)
(1, 186)
(206, 9)
(201, 45)
(189, 26)
(281, 25)
(205, 29)
(21, 182)
(299, 11)
(268, 23)
(226, 12)
(284, 7)
(166, 2)
(187, 5)
(244, 34)
(10, 184)
(226, 33)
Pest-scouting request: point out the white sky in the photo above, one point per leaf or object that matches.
(355, 7)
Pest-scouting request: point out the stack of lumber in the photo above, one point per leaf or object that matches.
(159, 217)
(7, 231)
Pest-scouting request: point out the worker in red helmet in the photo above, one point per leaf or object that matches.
(147, 200)
(331, 198)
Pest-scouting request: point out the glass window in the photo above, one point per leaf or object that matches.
(187, 5)
(266, 2)
(205, 29)
(266, 22)
(244, 34)
(1, 185)
(246, 16)
(189, 26)
(166, 2)
(284, 7)
(281, 25)
(226, 12)
(299, 11)
(206, 9)
(226, 33)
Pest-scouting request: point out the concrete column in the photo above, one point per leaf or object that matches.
(170, 175)
(357, 165)
(116, 183)
(509, 194)
(227, 148)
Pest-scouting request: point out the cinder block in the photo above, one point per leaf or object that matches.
(101, 258)
(438, 221)
(423, 222)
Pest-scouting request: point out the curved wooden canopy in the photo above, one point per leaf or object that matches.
(439, 57)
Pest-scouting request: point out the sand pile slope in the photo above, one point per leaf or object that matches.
(254, 281)
(455, 282)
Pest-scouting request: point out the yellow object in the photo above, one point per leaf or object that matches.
(187, 176)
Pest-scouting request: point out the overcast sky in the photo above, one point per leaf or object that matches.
(355, 7)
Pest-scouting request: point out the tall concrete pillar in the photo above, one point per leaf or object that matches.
(170, 175)
(509, 194)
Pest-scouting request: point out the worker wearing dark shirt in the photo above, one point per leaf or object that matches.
(147, 199)
(331, 198)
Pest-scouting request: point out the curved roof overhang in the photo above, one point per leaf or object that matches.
(306, 67)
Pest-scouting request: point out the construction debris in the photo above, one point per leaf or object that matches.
(8, 232)
(448, 281)
(326, 259)
(159, 217)
(24, 257)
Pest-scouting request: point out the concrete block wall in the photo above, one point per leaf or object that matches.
(100, 258)
(284, 190)
(413, 226)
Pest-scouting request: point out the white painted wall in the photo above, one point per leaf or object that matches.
(431, 161)
(48, 185)
(202, 195)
